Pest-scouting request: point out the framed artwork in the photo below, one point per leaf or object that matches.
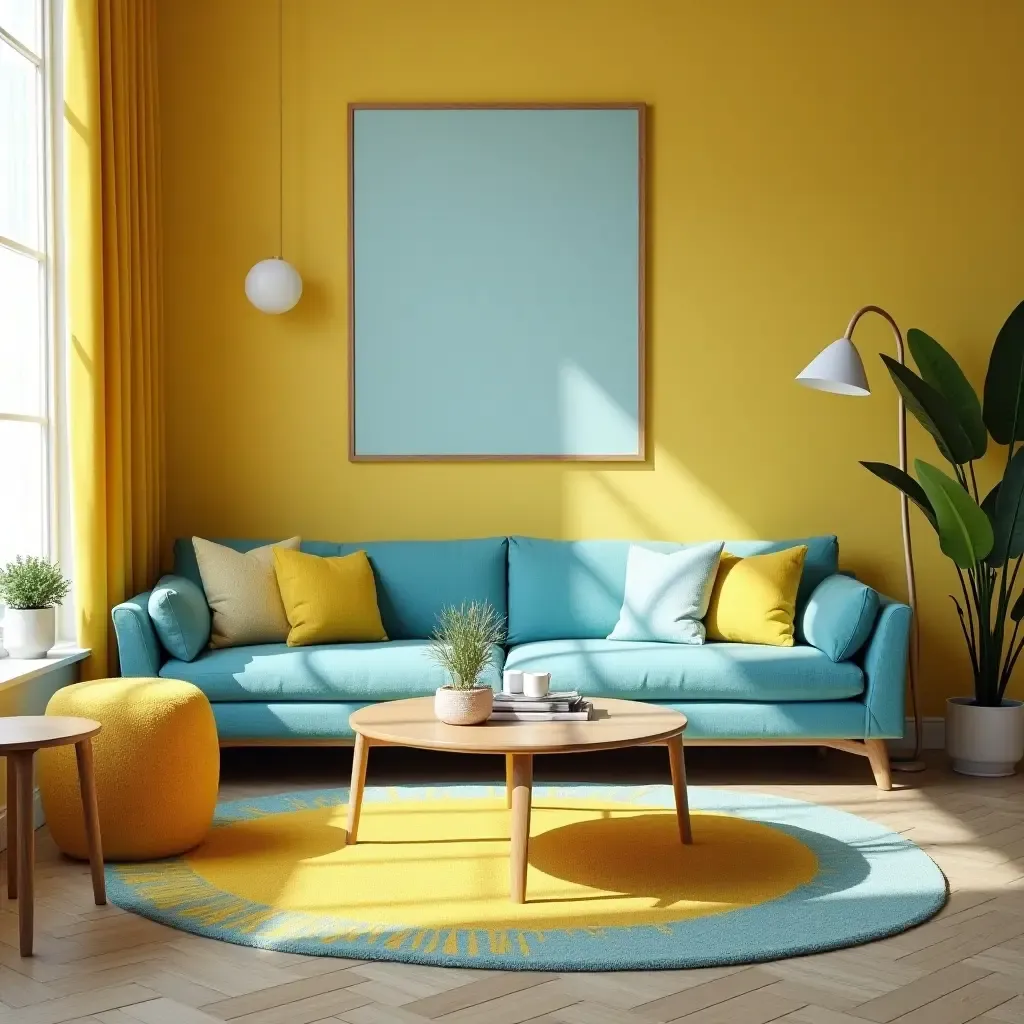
(496, 282)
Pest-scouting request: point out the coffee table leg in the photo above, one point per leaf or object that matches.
(508, 780)
(522, 793)
(12, 828)
(355, 792)
(26, 851)
(678, 765)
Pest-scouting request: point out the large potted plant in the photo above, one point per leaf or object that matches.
(31, 588)
(982, 535)
(463, 644)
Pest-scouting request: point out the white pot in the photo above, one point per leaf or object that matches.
(984, 741)
(463, 707)
(29, 632)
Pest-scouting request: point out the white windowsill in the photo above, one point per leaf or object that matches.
(20, 670)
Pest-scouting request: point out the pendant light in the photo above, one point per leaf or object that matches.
(274, 285)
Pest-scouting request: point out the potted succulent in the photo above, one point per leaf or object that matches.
(983, 535)
(463, 644)
(31, 588)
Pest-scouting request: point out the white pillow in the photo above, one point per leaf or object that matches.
(667, 594)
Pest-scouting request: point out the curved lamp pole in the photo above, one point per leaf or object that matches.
(839, 369)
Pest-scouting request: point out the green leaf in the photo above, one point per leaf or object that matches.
(939, 369)
(988, 505)
(1004, 382)
(965, 533)
(932, 411)
(1007, 512)
(906, 483)
(1017, 611)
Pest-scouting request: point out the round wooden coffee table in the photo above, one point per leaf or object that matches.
(617, 723)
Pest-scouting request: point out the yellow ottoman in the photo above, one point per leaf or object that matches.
(157, 768)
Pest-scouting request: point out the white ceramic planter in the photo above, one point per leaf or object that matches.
(29, 632)
(463, 707)
(984, 741)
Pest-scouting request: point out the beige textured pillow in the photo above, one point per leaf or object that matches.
(242, 591)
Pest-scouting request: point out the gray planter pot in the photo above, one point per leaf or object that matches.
(986, 742)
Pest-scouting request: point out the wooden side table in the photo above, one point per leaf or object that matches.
(20, 738)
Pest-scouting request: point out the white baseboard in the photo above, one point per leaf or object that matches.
(37, 814)
(933, 734)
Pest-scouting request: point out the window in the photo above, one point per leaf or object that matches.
(27, 280)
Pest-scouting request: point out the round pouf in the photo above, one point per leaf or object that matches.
(157, 768)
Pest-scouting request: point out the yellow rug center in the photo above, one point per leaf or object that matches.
(445, 863)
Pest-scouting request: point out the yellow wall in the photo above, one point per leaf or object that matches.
(806, 157)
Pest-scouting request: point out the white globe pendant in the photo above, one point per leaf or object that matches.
(273, 286)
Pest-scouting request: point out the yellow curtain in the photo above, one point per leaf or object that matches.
(115, 308)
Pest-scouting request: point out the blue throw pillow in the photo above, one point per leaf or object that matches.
(181, 616)
(839, 616)
(667, 594)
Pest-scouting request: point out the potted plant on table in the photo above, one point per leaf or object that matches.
(463, 644)
(31, 588)
(983, 536)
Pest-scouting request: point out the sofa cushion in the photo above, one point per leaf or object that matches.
(839, 616)
(712, 671)
(559, 589)
(181, 616)
(328, 600)
(667, 594)
(415, 578)
(333, 672)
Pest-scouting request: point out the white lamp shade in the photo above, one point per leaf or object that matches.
(837, 369)
(273, 286)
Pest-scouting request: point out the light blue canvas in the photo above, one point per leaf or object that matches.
(839, 616)
(415, 578)
(574, 589)
(181, 616)
(711, 671)
(329, 672)
(667, 594)
(496, 278)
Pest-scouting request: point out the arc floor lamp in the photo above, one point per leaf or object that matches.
(839, 369)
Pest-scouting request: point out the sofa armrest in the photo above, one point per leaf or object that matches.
(138, 648)
(884, 661)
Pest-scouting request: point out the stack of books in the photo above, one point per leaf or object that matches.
(567, 706)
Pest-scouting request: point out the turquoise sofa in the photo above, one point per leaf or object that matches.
(561, 599)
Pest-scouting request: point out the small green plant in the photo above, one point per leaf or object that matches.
(29, 583)
(463, 639)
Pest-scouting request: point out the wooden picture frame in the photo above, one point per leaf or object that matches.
(619, 415)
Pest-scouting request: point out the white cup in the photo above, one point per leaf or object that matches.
(536, 684)
(512, 681)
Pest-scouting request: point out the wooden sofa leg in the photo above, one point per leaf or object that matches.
(878, 755)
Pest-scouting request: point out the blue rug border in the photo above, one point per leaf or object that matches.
(862, 834)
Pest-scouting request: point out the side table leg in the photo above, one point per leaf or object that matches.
(508, 780)
(26, 851)
(522, 795)
(355, 792)
(678, 765)
(12, 828)
(91, 812)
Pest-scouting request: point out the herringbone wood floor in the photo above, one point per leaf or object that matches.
(103, 966)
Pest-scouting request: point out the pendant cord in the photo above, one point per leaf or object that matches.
(280, 129)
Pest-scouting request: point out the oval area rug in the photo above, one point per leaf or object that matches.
(609, 887)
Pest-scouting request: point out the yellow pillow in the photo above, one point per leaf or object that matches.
(328, 600)
(754, 599)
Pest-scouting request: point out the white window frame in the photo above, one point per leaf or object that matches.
(51, 318)
(55, 527)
